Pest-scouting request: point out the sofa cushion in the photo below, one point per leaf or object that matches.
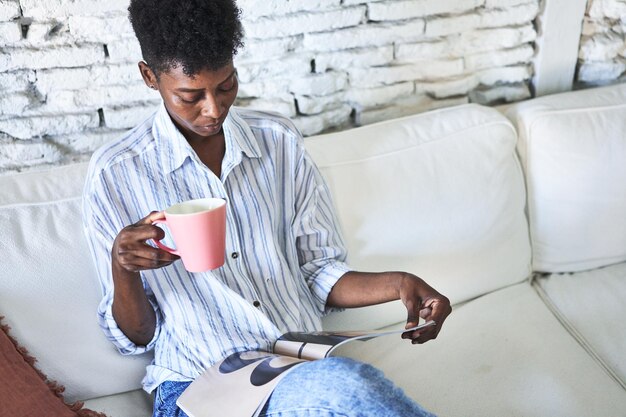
(573, 149)
(503, 354)
(439, 194)
(137, 403)
(590, 304)
(48, 288)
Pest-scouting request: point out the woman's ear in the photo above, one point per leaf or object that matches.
(148, 75)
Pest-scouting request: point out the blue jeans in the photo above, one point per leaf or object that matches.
(332, 387)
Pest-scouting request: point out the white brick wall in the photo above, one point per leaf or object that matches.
(69, 80)
(407, 9)
(602, 53)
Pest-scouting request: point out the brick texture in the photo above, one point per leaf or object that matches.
(69, 80)
(601, 57)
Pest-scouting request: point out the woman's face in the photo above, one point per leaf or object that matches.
(197, 104)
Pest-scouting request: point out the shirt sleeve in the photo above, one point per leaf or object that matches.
(100, 230)
(320, 245)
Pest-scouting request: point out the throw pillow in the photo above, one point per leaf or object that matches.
(26, 391)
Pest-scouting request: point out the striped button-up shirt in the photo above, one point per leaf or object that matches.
(284, 251)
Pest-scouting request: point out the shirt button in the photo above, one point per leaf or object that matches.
(256, 303)
(234, 255)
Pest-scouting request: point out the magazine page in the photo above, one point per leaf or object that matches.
(319, 345)
(237, 386)
(240, 385)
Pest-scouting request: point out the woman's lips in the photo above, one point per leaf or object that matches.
(211, 128)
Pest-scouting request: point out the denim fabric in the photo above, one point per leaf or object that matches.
(332, 387)
(165, 399)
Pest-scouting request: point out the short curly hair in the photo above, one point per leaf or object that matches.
(195, 34)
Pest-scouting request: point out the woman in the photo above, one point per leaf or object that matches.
(285, 264)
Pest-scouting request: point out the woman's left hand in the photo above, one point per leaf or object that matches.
(421, 300)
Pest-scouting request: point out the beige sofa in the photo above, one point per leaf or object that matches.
(530, 246)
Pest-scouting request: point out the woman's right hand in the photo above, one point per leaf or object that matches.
(130, 251)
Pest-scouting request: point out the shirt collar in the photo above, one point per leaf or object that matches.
(239, 135)
(175, 149)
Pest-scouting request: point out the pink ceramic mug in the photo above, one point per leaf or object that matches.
(198, 228)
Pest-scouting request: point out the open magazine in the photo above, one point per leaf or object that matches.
(240, 384)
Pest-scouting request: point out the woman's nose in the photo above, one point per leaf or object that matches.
(211, 107)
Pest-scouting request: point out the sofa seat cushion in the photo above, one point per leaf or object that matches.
(573, 149)
(503, 354)
(439, 194)
(135, 403)
(49, 292)
(591, 304)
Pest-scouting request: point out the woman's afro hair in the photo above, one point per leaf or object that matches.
(193, 34)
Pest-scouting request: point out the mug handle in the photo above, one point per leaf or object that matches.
(158, 242)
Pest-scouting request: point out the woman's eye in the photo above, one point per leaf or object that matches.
(188, 100)
(228, 85)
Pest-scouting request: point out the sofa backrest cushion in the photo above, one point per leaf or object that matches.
(439, 194)
(48, 288)
(573, 150)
